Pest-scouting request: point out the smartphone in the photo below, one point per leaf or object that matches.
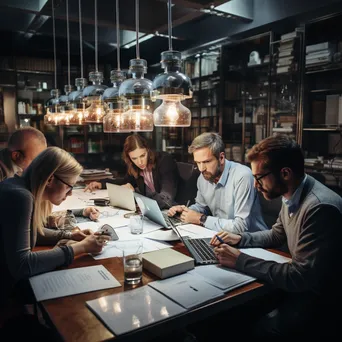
(108, 230)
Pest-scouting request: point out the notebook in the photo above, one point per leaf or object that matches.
(150, 208)
(121, 197)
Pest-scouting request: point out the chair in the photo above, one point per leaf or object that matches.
(187, 185)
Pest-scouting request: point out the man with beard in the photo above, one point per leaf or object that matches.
(310, 222)
(226, 198)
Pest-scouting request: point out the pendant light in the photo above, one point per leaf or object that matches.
(92, 94)
(76, 97)
(137, 90)
(172, 87)
(52, 105)
(115, 105)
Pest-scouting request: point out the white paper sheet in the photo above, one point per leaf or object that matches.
(188, 290)
(264, 254)
(224, 278)
(197, 231)
(131, 310)
(68, 282)
(114, 248)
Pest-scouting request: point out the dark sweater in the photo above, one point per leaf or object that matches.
(313, 235)
(18, 237)
(165, 179)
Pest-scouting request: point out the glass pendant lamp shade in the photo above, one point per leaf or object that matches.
(172, 86)
(52, 108)
(138, 117)
(77, 103)
(92, 96)
(114, 104)
(65, 106)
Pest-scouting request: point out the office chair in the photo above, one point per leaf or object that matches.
(187, 184)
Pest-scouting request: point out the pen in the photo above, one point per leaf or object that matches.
(187, 203)
(218, 238)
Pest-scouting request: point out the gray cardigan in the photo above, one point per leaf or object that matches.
(18, 237)
(313, 235)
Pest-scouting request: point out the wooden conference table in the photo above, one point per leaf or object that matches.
(73, 321)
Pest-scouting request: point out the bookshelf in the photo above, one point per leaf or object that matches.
(322, 110)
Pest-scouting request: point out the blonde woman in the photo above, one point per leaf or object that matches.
(26, 203)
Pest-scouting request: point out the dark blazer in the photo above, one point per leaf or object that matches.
(165, 179)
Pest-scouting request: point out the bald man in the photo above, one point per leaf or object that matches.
(22, 147)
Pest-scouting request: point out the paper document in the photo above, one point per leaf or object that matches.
(134, 309)
(188, 290)
(68, 282)
(224, 278)
(115, 248)
(264, 254)
(194, 230)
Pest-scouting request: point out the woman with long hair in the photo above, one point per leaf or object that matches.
(153, 174)
(26, 203)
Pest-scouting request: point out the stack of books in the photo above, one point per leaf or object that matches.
(94, 175)
(285, 55)
(319, 54)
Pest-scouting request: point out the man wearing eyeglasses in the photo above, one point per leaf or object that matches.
(310, 222)
(226, 199)
(22, 147)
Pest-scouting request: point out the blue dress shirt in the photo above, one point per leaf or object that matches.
(233, 202)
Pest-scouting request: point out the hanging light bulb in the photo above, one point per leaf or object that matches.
(172, 86)
(92, 94)
(137, 90)
(52, 108)
(76, 103)
(114, 104)
(66, 110)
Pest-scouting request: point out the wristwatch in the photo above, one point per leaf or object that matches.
(203, 218)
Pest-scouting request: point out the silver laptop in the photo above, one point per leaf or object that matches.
(150, 208)
(121, 197)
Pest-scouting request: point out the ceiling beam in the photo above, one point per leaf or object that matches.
(242, 9)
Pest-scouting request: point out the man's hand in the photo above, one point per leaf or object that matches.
(190, 216)
(227, 237)
(175, 209)
(128, 186)
(227, 255)
(93, 186)
(92, 213)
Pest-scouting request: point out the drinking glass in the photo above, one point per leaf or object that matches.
(136, 224)
(132, 262)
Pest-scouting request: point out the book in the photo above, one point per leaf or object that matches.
(167, 262)
(130, 310)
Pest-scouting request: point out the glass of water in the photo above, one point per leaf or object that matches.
(132, 262)
(136, 224)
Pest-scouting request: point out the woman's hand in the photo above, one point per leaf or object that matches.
(128, 186)
(79, 235)
(91, 244)
(92, 213)
(227, 237)
(93, 186)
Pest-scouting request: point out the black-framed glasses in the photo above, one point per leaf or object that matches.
(258, 178)
(61, 180)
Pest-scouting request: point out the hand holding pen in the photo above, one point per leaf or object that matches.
(226, 238)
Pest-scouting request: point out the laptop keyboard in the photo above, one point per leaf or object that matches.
(175, 220)
(201, 251)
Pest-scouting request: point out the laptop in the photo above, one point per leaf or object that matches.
(121, 197)
(199, 248)
(150, 208)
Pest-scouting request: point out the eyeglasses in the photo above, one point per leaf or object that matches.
(258, 178)
(70, 186)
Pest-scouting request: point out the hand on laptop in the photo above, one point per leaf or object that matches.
(175, 209)
(93, 186)
(187, 215)
(128, 186)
